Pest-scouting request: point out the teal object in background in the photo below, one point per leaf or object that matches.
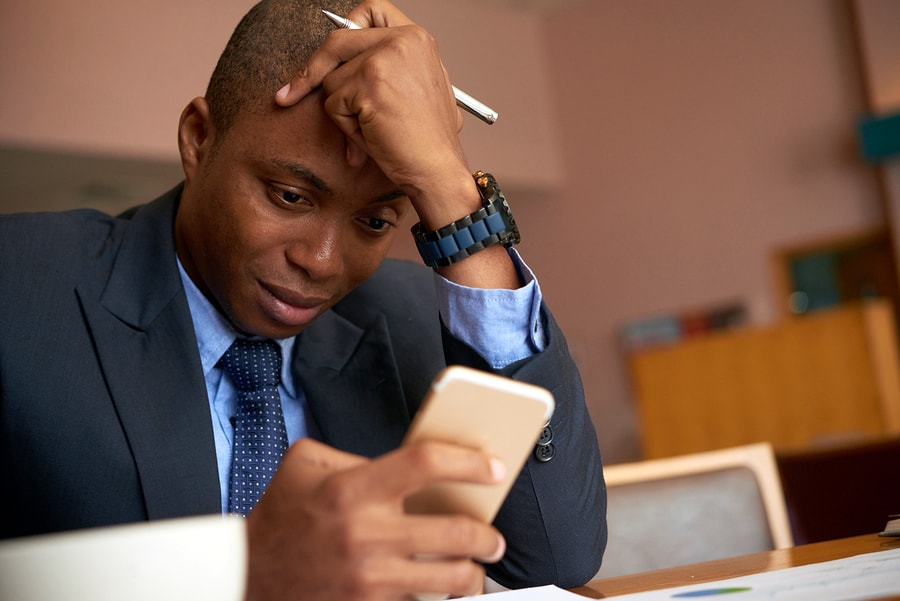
(880, 137)
(816, 277)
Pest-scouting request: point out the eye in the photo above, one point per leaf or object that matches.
(287, 196)
(376, 225)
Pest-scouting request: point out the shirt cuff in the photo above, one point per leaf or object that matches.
(504, 326)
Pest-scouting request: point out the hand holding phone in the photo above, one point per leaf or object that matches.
(477, 409)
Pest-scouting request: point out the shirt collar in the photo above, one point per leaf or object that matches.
(215, 335)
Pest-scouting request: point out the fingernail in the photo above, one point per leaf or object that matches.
(498, 470)
(499, 553)
(283, 92)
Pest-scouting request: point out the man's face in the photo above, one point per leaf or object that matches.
(275, 226)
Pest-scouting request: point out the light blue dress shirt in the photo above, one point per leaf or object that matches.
(504, 326)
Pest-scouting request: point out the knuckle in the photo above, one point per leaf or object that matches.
(424, 457)
(352, 545)
(462, 530)
(356, 583)
(302, 447)
(412, 41)
(330, 43)
(421, 36)
(354, 587)
(466, 577)
(369, 573)
(366, 579)
(376, 70)
(331, 38)
(337, 494)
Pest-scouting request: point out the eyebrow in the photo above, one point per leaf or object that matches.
(304, 172)
(389, 196)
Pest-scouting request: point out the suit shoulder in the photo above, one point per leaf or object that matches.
(51, 230)
(397, 289)
(404, 273)
(56, 242)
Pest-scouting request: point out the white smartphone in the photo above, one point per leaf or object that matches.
(479, 410)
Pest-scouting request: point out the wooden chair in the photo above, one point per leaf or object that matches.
(840, 489)
(693, 508)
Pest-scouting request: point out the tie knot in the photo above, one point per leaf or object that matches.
(253, 364)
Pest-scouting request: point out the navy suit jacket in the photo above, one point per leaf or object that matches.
(104, 417)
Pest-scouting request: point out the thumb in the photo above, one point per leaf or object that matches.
(313, 456)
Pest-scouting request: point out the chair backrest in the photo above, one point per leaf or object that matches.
(693, 508)
(841, 488)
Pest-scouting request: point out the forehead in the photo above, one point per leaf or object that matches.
(302, 142)
(265, 123)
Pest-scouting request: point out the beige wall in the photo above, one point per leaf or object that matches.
(880, 47)
(107, 76)
(877, 21)
(699, 136)
(658, 151)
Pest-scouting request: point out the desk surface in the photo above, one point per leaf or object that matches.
(737, 566)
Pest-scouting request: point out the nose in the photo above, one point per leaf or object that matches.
(319, 252)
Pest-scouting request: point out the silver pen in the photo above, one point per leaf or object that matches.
(463, 100)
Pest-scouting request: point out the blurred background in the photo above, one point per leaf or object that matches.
(694, 180)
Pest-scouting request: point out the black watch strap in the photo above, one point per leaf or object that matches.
(492, 224)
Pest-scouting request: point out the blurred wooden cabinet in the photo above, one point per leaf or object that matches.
(828, 374)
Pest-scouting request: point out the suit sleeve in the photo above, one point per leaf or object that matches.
(554, 519)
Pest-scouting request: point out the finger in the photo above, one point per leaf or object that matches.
(409, 469)
(305, 467)
(356, 153)
(309, 454)
(454, 536)
(378, 14)
(368, 15)
(339, 47)
(423, 576)
(460, 121)
(348, 113)
(432, 578)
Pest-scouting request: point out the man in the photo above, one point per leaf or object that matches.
(117, 401)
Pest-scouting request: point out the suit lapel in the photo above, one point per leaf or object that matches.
(142, 328)
(352, 385)
(145, 340)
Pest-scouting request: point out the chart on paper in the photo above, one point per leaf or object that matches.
(868, 576)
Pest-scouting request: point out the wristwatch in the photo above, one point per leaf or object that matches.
(492, 224)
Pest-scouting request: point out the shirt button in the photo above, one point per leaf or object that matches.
(545, 452)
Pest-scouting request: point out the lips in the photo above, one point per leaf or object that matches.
(295, 299)
(289, 307)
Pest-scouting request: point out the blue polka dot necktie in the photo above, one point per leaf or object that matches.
(260, 439)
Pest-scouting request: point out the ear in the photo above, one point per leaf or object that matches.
(195, 136)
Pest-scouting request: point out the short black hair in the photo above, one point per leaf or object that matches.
(269, 46)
